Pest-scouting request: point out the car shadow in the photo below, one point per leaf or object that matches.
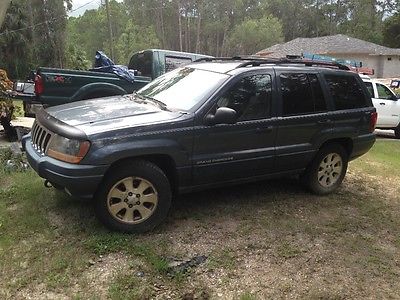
(202, 205)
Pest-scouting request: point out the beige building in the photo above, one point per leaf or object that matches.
(385, 61)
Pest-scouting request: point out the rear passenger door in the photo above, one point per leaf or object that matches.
(386, 106)
(304, 119)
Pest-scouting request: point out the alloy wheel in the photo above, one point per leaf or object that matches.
(132, 200)
(330, 169)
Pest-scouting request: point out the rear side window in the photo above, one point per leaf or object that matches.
(142, 62)
(301, 94)
(370, 88)
(346, 92)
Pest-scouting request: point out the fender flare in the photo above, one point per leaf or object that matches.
(107, 88)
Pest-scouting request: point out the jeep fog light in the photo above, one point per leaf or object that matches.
(68, 150)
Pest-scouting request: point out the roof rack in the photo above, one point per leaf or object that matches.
(257, 61)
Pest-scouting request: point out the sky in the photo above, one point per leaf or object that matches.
(88, 4)
(78, 3)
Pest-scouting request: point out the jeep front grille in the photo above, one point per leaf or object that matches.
(40, 137)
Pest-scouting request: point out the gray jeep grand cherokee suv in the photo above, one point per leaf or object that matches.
(212, 123)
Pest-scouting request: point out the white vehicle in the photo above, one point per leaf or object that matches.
(387, 105)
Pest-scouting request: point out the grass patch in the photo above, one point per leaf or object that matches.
(126, 286)
(222, 259)
(109, 242)
(287, 250)
(383, 159)
(247, 296)
(350, 238)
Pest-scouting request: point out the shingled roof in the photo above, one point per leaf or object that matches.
(332, 44)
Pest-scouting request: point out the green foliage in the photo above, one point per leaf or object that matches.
(252, 35)
(365, 21)
(95, 35)
(133, 39)
(391, 31)
(76, 58)
(221, 28)
(14, 45)
(32, 35)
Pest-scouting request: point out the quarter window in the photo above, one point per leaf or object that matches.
(172, 62)
(250, 97)
(301, 94)
(346, 92)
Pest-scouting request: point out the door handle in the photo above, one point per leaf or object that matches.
(264, 129)
(382, 103)
(327, 121)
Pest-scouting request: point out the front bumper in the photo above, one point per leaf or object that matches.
(78, 180)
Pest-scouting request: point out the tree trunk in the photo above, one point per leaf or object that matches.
(198, 33)
(188, 37)
(162, 28)
(217, 47)
(180, 27)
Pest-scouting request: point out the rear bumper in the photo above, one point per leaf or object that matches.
(78, 180)
(362, 144)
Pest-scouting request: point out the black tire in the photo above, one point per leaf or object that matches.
(311, 178)
(148, 173)
(397, 132)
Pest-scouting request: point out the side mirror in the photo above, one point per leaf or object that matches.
(223, 115)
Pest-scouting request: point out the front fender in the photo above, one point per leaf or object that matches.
(115, 150)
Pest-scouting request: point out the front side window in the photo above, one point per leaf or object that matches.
(346, 92)
(301, 94)
(384, 92)
(250, 97)
(184, 88)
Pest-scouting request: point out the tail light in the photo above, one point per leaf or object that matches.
(39, 87)
(372, 121)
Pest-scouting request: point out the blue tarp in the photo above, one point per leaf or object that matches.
(104, 64)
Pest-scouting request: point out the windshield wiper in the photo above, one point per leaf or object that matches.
(161, 104)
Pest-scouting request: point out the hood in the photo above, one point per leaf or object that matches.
(102, 114)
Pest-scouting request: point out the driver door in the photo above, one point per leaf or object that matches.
(227, 152)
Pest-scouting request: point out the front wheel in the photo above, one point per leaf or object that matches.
(134, 197)
(326, 172)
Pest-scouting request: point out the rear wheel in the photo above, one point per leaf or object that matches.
(135, 197)
(326, 172)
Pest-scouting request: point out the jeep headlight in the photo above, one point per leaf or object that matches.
(68, 150)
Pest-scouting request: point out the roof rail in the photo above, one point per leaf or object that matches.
(257, 61)
(224, 58)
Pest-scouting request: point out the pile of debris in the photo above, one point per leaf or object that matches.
(6, 106)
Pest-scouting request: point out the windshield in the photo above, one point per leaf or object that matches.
(183, 88)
